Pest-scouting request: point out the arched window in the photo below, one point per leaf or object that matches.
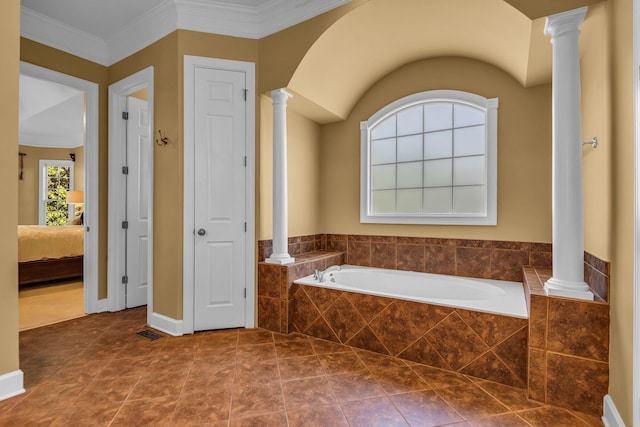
(431, 158)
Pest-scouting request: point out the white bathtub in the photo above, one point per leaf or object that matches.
(490, 296)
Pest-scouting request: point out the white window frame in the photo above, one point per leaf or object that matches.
(490, 106)
(42, 190)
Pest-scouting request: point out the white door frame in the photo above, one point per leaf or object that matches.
(118, 93)
(91, 176)
(190, 64)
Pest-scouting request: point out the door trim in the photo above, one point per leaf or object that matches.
(636, 250)
(91, 176)
(190, 64)
(118, 93)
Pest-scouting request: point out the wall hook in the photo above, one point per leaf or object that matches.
(162, 141)
(593, 142)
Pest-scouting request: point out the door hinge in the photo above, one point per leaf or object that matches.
(245, 161)
(245, 292)
(244, 92)
(125, 225)
(125, 115)
(245, 227)
(125, 170)
(125, 279)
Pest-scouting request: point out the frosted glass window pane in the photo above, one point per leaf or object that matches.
(437, 200)
(468, 141)
(410, 201)
(437, 116)
(410, 175)
(383, 177)
(470, 200)
(469, 170)
(438, 144)
(383, 151)
(410, 148)
(464, 115)
(384, 129)
(383, 202)
(410, 121)
(437, 173)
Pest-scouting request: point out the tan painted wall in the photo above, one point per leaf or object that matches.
(28, 186)
(622, 198)
(303, 169)
(524, 152)
(47, 57)
(9, 73)
(596, 103)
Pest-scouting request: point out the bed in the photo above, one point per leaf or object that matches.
(49, 253)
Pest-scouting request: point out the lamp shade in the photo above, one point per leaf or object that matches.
(75, 197)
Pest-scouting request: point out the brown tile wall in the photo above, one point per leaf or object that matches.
(275, 282)
(483, 345)
(487, 259)
(568, 347)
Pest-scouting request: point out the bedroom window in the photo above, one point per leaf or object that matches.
(431, 158)
(56, 178)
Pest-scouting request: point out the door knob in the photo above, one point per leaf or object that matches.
(202, 232)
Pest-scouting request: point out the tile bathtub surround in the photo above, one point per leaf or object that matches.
(96, 371)
(487, 259)
(482, 345)
(275, 282)
(568, 347)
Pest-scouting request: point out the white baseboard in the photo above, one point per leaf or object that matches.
(11, 384)
(611, 417)
(166, 324)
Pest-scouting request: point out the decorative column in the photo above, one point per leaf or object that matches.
(568, 241)
(280, 254)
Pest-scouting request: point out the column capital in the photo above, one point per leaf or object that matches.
(280, 96)
(564, 22)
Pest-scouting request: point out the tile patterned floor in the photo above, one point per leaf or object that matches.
(95, 371)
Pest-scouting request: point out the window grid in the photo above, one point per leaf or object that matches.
(423, 160)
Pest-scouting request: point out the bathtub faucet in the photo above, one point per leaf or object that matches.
(319, 274)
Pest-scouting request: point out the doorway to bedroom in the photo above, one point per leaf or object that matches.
(57, 204)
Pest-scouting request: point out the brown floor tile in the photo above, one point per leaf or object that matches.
(250, 353)
(324, 346)
(278, 419)
(425, 409)
(505, 420)
(339, 363)
(202, 407)
(156, 412)
(113, 390)
(252, 399)
(373, 413)
(258, 371)
(34, 418)
(161, 385)
(470, 401)
(396, 380)
(513, 398)
(307, 393)
(293, 349)
(300, 367)
(254, 336)
(205, 377)
(95, 414)
(355, 386)
(321, 416)
(439, 378)
(551, 417)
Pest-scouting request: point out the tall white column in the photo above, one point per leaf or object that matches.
(568, 241)
(280, 254)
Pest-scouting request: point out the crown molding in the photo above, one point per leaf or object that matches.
(208, 16)
(145, 30)
(51, 32)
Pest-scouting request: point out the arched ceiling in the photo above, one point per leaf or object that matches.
(382, 35)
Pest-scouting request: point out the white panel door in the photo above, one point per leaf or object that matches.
(219, 211)
(138, 188)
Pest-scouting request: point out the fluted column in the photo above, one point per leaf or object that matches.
(568, 240)
(280, 254)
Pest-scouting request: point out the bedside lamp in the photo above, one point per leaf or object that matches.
(76, 198)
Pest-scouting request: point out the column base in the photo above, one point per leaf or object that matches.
(281, 260)
(565, 288)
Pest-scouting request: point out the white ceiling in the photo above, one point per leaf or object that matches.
(51, 115)
(106, 31)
